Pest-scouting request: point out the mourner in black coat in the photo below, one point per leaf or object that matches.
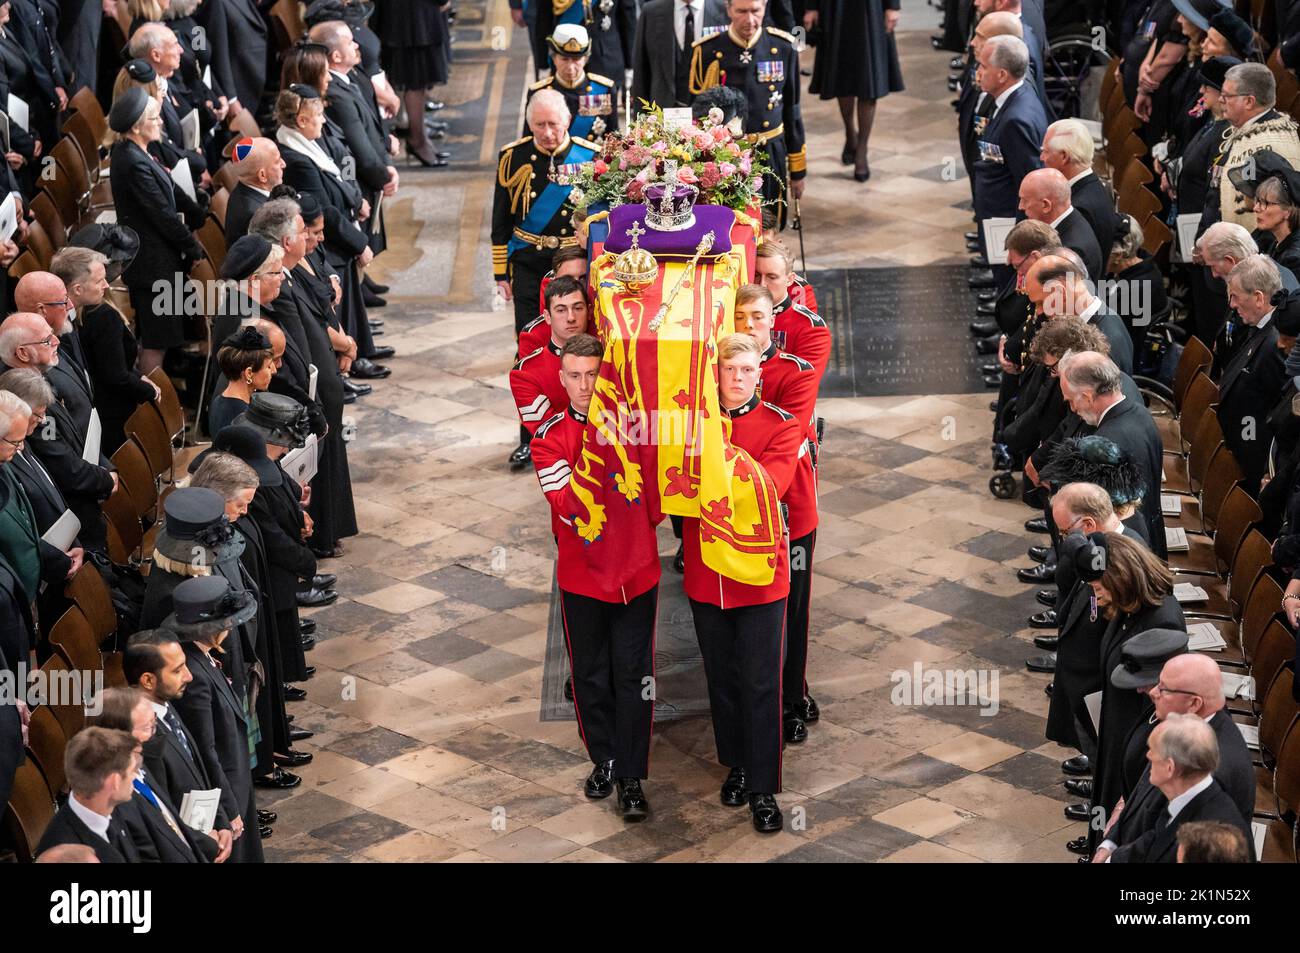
(111, 350)
(66, 828)
(1251, 382)
(1158, 843)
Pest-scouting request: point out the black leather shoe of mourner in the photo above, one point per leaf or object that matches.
(324, 580)
(1076, 812)
(988, 345)
(1043, 620)
(600, 783)
(1047, 642)
(1079, 765)
(293, 759)
(1039, 554)
(521, 457)
(382, 353)
(292, 694)
(1037, 574)
(306, 626)
(733, 789)
(359, 390)
(1079, 787)
(793, 728)
(266, 817)
(1041, 663)
(1079, 846)
(1036, 525)
(986, 297)
(1047, 597)
(632, 803)
(279, 778)
(568, 688)
(807, 709)
(300, 734)
(982, 279)
(313, 598)
(983, 328)
(367, 369)
(266, 832)
(308, 642)
(1047, 689)
(766, 813)
(985, 310)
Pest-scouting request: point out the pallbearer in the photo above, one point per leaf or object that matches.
(790, 383)
(797, 328)
(610, 635)
(741, 627)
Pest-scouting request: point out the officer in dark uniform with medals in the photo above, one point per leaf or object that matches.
(611, 25)
(763, 63)
(592, 99)
(530, 211)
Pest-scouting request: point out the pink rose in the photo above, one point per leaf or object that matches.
(727, 169)
(756, 183)
(633, 190)
(733, 149)
(745, 164)
(659, 147)
(720, 134)
(687, 175)
(703, 142)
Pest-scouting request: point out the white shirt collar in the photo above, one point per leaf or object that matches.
(1006, 94)
(1087, 313)
(342, 76)
(266, 192)
(1062, 217)
(160, 711)
(1074, 179)
(1265, 319)
(1180, 802)
(1109, 409)
(96, 822)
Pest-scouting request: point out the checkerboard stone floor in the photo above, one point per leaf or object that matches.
(428, 743)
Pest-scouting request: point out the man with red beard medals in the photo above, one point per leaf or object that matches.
(535, 380)
(741, 627)
(790, 383)
(610, 635)
(797, 329)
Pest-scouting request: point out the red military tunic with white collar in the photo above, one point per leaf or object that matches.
(771, 436)
(556, 447)
(535, 384)
(536, 333)
(790, 382)
(798, 330)
(801, 291)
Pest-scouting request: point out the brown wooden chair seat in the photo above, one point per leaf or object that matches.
(46, 740)
(30, 810)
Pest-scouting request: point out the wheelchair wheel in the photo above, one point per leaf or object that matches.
(1002, 485)
(1072, 74)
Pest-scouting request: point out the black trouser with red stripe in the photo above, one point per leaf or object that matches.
(742, 650)
(611, 652)
(794, 683)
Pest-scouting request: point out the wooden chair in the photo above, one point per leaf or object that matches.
(1142, 205)
(90, 196)
(46, 740)
(73, 635)
(123, 529)
(1155, 236)
(57, 669)
(30, 810)
(137, 478)
(39, 244)
(1196, 357)
(217, 207)
(45, 212)
(1195, 401)
(25, 264)
(1186, 475)
(1222, 476)
(1227, 599)
(148, 428)
(225, 177)
(82, 132)
(213, 240)
(89, 593)
(87, 105)
(1280, 843)
(1275, 648)
(168, 403)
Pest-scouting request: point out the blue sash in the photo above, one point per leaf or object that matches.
(549, 201)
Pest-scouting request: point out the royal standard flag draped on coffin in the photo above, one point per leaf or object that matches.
(656, 442)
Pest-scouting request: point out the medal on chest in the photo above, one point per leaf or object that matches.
(771, 71)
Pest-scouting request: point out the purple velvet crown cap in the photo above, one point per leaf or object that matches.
(708, 218)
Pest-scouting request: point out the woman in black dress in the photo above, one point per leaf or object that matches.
(857, 63)
(246, 363)
(415, 54)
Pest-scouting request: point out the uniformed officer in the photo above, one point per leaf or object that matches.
(763, 63)
(609, 634)
(796, 328)
(571, 261)
(790, 383)
(592, 99)
(534, 381)
(741, 627)
(531, 216)
(611, 24)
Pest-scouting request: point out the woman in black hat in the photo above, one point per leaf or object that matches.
(1277, 217)
(246, 363)
(1136, 291)
(206, 609)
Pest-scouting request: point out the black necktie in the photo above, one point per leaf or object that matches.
(174, 725)
(688, 35)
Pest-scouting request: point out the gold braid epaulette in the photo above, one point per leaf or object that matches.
(702, 79)
(517, 184)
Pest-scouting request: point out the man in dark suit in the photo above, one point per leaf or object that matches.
(47, 502)
(974, 106)
(1062, 288)
(43, 293)
(1068, 149)
(1045, 196)
(658, 76)
(100, 764)
(1093, 387)
(260, 170)
(354, 112)
(1007, 151)
(1183, 754)
(1253, 377)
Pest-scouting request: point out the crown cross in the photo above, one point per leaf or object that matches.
(635, 232)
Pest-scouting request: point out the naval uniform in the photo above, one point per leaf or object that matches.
(766, 70)
(611, 25)
(592, 101)
(741, 628)
(610, 635)
(535, 384)
(790, 383)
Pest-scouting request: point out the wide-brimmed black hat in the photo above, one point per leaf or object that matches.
(127, 109)
(248, 445)
(1259, 167)
(206, 605)
(278, 419)
(1144, 655)
(195, 529)
(1236, 31)
(1094, 459)
(117, 243)
(1213, 70)
(1200, 11)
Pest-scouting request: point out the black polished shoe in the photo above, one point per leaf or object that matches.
(992, 381)
(324, 580)
(266, 817)
(308, 642)
(982, 329)
(982, 279)
(1076, 812)
(372, 300)
(306, 626)
(381, 353)
(1079, 787)
(378, 322)
(433, 105)
(986, 297)
(349, 398)
(314, 598)
(1046, 642)
(279, 778)
(600, 783)
(266, 832)
(300, 734)
(307, 673)
(356, 390)
(1043, 620)
(733, 789)
(972, 246)
(979, 261)
(292, 759)
(1041, 663)
(1037, 574)
(1079, 765)
(1036, 525)
(986, 370)
(972, 236)
(292, 694)
(520, 457)
(679, 561)
(986, 310)
(1079, 846)
(1047, 597)
(766, 814)
(1039, 554)
(794, 730)
(374, 286)
(568, 688)
(807, 709)
(1047, 689)
(987, 345)
(368, 370)
(376, 332)
(632, 803)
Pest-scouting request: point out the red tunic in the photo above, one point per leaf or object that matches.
(535, 384)
(799, 331)
(771, 436)
(801, 290)
(790, 382)
(556, 447)
(536, 333)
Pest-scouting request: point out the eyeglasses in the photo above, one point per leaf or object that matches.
(65, 303)
(16, 444)
(1234, 95)
(1173, 691)
(46, 342)
(1264, 203)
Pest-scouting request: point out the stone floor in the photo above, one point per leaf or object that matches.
(425, 705)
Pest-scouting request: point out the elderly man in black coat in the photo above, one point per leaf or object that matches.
(1045, 197)
(1068, 148)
